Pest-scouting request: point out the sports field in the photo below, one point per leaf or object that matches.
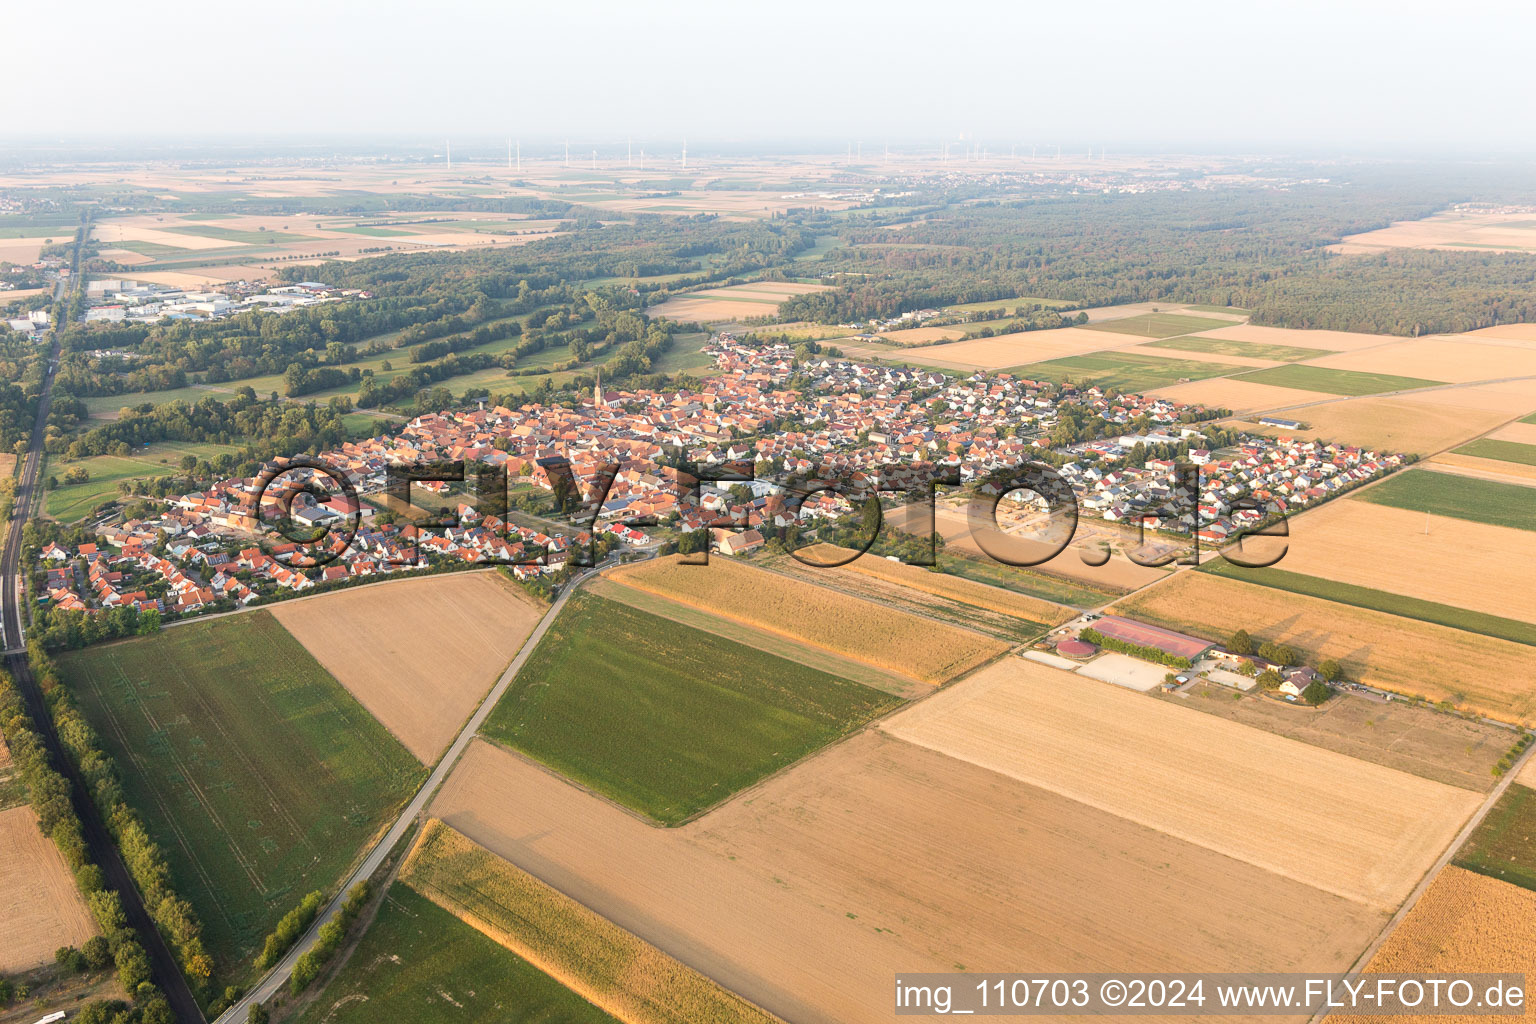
(257, 773)
(389, 644)
(1124, 371)
(1336, 382)
(1504, 845)
(1443, 494)
(419, 963)
(1159, 325)
(1357, 830)
(664, 718)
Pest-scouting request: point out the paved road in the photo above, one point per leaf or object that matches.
(165, 971)
(277, 977)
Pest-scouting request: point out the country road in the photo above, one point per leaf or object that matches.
(165, 971)
(277, 977)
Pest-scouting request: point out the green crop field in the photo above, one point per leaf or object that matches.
(1529, 419)
(1127, 371)
(108, 405)
(1233, 347)
(1503, 451)
(1336, 382)
(419, 963)
(1460, 497)
(257, 773)
(1159, 325)
(1504, 845)
(1379, 600)
(664, 718)
(69, 502)
(237, 235)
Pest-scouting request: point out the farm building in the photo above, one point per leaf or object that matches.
(1179, 645)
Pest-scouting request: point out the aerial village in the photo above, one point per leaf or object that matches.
(824, 418)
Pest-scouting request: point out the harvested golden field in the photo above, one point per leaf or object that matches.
(1483, 469)
(930, 652)
(1404, 655)
(736, 302)
(1017, 349)
(7, 464)
(878, 856)
(419, 654)
(1459, 231)
(39, 903)
(1470, 565)
(1243, 397)
(940, 584)
(1455, 359)
(27, 250)
(1518, 332)
(1520, 433)
(1355, 829)
(1332, 341)
(1464, 922)
(1419, 424)
(604, 964)
(922, 335)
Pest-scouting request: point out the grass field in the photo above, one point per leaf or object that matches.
(616, 970)
(1380, 600)
(419, 963)
(1159, 325)
(1336, 382)
(1503, 451)
(69, 502)
(666, 719)
(1127, 371)
(1504, 845)
(1234, 347)
(256, 773)
(1461, 497)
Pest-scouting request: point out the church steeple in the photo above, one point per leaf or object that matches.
(597, 391)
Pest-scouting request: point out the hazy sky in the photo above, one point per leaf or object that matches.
(1257, 74)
